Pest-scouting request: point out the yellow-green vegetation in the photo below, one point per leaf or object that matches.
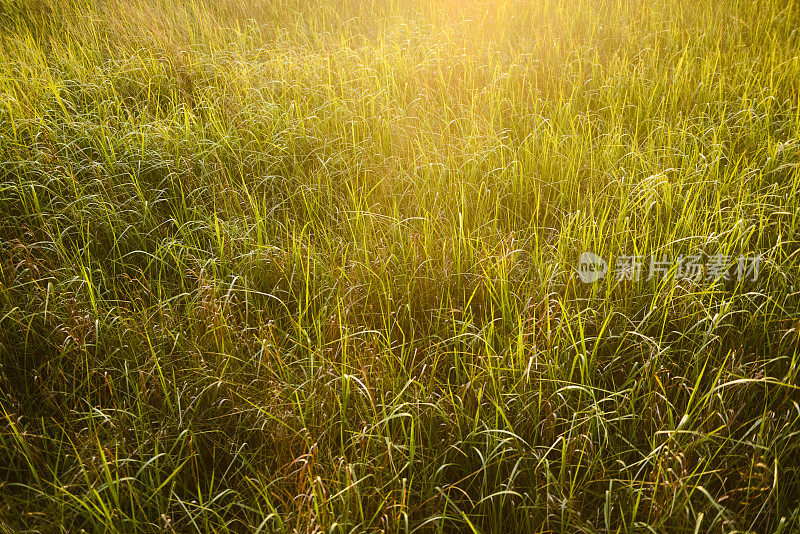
(312, 266)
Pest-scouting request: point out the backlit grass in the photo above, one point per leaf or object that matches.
(312, 266)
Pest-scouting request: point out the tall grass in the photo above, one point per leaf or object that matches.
(312, 266)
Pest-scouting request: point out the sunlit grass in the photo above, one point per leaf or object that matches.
(305, 267)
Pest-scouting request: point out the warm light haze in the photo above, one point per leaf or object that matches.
(399, 266)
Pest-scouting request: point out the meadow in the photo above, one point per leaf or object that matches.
(313, 266)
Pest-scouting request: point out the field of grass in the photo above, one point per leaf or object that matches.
(313, 266)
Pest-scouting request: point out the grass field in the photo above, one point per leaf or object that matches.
(314, 266)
